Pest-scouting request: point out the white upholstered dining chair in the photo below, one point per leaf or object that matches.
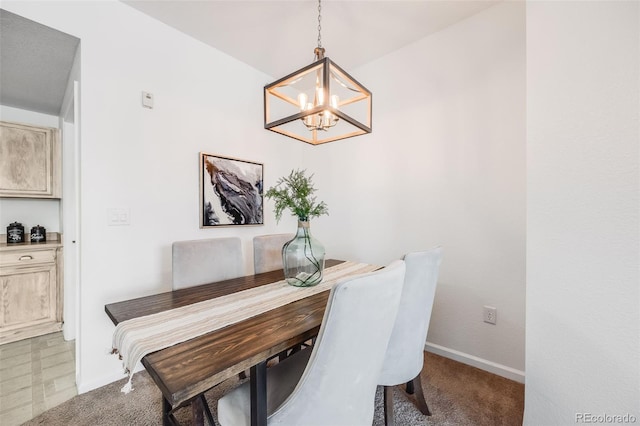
(198, 262)
(317, 386)
(267, 251)
(405, 354)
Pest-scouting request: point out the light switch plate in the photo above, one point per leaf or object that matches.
(117, 216)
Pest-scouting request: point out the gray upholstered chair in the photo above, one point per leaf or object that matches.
(318, 386)
(267, 251)
(198, 262)
(405, 353)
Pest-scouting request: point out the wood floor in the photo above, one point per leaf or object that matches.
(35, 375)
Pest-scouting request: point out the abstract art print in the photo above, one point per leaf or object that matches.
(230, 191)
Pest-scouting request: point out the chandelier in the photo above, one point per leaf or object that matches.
(318, 103)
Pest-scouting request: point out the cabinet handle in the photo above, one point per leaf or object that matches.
(26, 257)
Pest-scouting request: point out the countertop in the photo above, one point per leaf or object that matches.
(53, 241)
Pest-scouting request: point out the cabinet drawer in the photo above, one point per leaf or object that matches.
(27, 257)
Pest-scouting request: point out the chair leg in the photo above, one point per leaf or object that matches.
(420, 399)
(410, 389)
(388, 406)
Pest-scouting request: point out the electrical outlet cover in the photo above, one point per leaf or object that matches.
(490, 314)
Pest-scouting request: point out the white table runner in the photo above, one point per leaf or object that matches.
(137, 337)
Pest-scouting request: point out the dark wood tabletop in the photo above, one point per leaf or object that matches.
(186, 370)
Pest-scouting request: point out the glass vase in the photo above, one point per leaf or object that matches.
(303, 258)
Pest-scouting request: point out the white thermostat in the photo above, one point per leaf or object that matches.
(147, 100)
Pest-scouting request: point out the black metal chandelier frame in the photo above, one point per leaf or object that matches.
(315, 123)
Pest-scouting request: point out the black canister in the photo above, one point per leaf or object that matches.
(38, 234)
(15, 233)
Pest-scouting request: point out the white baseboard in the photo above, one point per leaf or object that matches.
(84, 387)
(474, 361)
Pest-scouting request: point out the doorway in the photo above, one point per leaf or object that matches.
(40, 68)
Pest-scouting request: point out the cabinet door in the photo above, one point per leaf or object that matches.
(29, 161)
(28, 297)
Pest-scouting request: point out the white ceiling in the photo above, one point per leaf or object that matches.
(35, 61)
(278, 37)
(275, 37)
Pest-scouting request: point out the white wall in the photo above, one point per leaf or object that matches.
(583, 300)
(147, 160)
(29, 212)
(445, 165)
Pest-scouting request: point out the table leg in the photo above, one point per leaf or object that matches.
(258, 385)
(197, 417)
(166, 408)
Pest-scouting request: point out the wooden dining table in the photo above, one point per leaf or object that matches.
(183, 372)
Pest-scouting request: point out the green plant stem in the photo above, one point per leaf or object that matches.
(313, 260)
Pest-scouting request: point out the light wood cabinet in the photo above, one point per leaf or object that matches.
(30, 290)
(30, 161)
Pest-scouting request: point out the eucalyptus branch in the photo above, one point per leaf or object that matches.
(295, 193)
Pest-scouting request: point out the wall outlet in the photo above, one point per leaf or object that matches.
(489, 314)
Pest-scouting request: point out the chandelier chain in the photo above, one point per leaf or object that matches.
(319, 23)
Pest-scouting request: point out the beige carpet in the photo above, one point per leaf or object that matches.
(458, 395)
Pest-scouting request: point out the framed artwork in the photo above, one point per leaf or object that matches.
(231, 191)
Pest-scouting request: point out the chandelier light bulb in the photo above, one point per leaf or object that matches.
(320, 95)
(302, 101)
